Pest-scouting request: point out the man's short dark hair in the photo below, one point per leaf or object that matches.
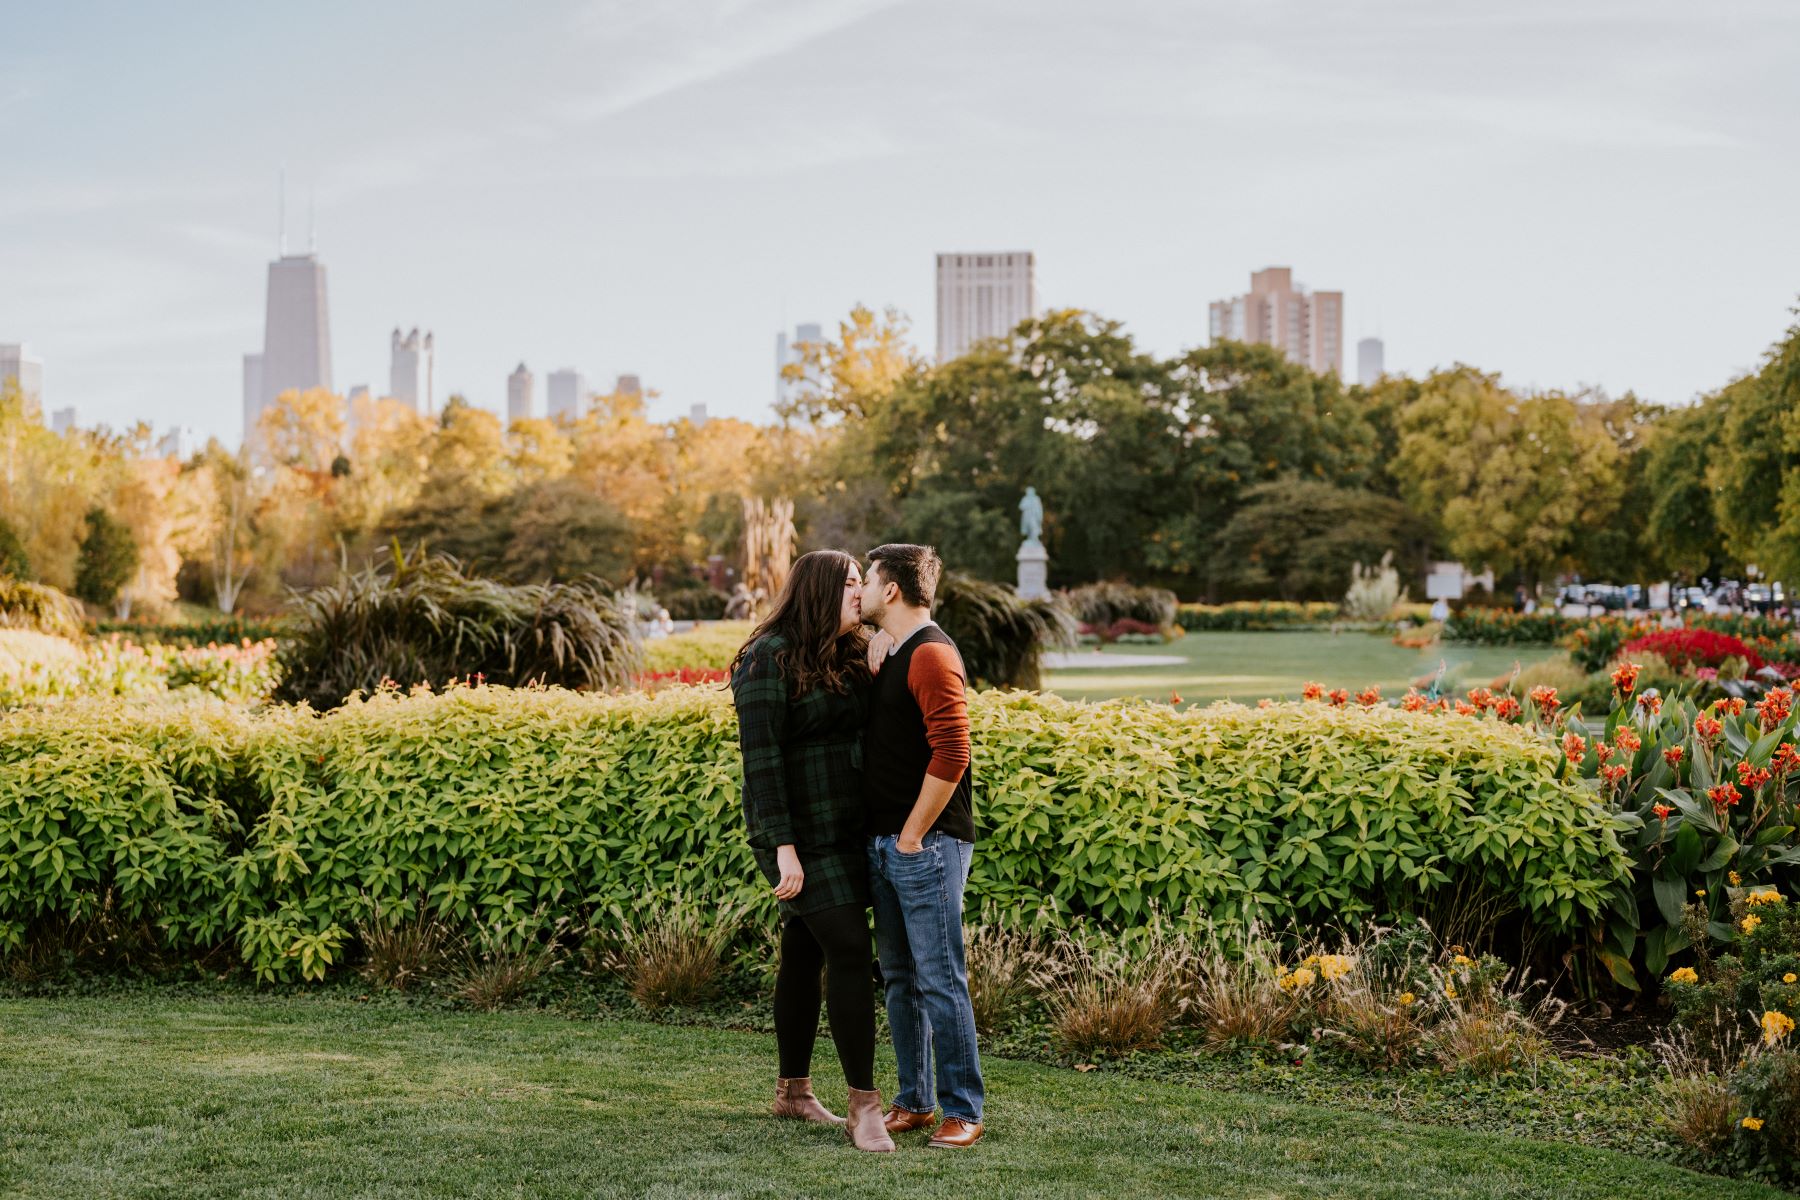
(914, 568)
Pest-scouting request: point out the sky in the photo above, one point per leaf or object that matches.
(1569, 192)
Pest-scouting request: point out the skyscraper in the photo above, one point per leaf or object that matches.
(628, 385)
(565, 392)
(697, 416)
(62, 420)
(1307, 326)
(409, 370)
(518, 395)
(982, 296)
(791, 353)
(296, 353)
(19, 365)
(1368, 361)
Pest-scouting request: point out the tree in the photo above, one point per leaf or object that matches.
(559, 532)
(1680, 532)
(108, 557)
(1301, 539)
(845, 379)
(15, 563)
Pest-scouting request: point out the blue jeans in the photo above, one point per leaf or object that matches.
(919, 940)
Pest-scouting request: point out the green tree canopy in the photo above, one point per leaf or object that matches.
(106, 559)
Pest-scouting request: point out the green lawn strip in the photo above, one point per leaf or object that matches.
(311, 1095)
(1251, 666)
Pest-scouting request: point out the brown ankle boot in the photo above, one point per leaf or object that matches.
(794, 1098)
(865, 1126)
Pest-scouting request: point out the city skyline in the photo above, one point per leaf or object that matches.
(489, 188)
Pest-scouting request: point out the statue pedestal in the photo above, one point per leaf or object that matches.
(1034, 570)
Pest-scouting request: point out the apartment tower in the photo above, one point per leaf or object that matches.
(1307, 326)
(982, 296)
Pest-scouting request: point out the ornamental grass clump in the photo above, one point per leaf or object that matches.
(1007, 968)
(38, 607)
(1485, 1025)
(1002, 636)
(502, 963)
(1103, 605)
(1119, 997)
(425, 620)
(1237, 995)
(673, 953)
(404, 950)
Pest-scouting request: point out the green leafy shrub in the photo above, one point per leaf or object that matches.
(1104, 604)
(1001, 635)
(1254, 615)
(1504, 627)
(220, 631)
(275, 830)
(427, 621)
(709, 647)
(108, 555)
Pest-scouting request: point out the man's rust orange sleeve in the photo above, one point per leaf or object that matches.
(935, 677)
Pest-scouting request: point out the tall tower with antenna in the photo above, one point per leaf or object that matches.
(296, 352)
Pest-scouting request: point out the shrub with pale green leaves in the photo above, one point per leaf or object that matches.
(277, 831)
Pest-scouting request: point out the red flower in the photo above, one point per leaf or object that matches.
(1734, 705)
(1724, 796)
(1174, 698)
(1603, 751)
(1753, 777)
(1369, 697)
(1627, 739)
(1465, 709)
(1574, 749)
(1708, 728)
(1624, 678)
(1507, 708)
(1786, 758)
(1650, 702)
(1775, 707)
(1687, 648)
(1545, 700)
(1338, 697)
(1482, 698)
(1662, 811)
(1672, 756)
(1313, 691)
(1614, 773)
(1413, 701)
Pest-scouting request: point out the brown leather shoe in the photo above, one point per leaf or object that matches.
(864, 1126)
(957, 1134)
(794, 1098)
(905, 1120)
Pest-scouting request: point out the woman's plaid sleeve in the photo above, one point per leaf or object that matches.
(762, 704)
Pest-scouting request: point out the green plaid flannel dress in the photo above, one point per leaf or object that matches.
(803, 780)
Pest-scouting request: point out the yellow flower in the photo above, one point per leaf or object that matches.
(1775, 1026)
(1789, 977)
(1683, 975)
(1407, 997)
(1294, 980)
(1462, 960)
(1751, 1123)
(1701, 893)
(1450, 990)
(1749, 923)
(1333, 966)
(1768, 896)
(1735, 878)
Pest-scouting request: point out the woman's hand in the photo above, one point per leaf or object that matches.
(787, 861)
(879, 645)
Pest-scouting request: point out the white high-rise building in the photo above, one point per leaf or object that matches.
(1307, 326)
(697, 416)
(296, 353)
(180, 442)
(518, 395)
(792, 353)
(982, 296)
(62, 420)
(410, 369)
(565, 394)
(19, 365)
(1368, 361)
(358, 391)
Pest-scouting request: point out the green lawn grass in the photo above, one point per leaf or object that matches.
(177, 1094)
(1250, 666)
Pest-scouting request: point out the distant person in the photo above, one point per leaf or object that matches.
(921, 844)
(1519, 598)
(801, 684)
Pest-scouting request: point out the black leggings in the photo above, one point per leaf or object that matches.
(837, 941)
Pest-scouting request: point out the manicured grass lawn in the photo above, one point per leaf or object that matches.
(173, 1094)
(1250, 666)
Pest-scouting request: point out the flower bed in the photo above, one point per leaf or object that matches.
(45, 669)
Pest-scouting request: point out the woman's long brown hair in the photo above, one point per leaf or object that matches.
(806, 615)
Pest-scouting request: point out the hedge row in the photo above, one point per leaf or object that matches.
(277, 832)
(1254, 615)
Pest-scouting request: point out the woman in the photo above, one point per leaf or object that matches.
(801, 686)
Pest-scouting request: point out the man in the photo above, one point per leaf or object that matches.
(921, 826)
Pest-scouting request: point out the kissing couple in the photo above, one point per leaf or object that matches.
(857, 795)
